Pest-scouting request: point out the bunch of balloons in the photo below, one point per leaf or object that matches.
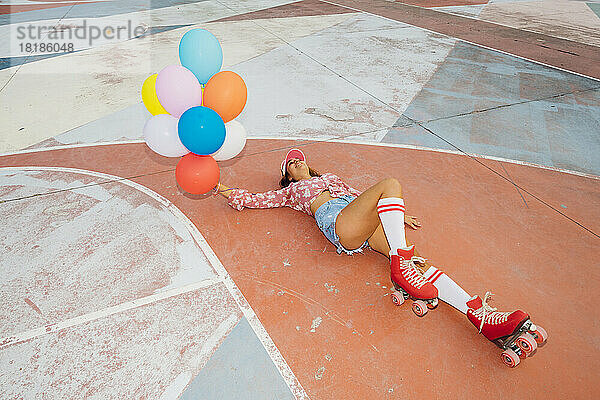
(193, 107)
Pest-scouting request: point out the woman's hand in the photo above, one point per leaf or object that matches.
(412, 222)
(223, 190)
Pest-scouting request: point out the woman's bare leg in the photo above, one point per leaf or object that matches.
(358, 220)
(448, 290)
(378, 242)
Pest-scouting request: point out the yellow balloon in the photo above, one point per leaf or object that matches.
(149, 96)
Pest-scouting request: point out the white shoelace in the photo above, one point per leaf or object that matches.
(488, 313)
(412, 273)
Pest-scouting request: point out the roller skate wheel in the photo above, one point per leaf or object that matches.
(419, 308)
(540, 335)
(510, 358)
(527, 343)
(432, 304)
(398, 298)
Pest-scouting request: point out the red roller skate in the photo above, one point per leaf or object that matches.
(511, 331)
(410, 283)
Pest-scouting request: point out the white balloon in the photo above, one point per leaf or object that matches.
(235, 140)
(160, 133)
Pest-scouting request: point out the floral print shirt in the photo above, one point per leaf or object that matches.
(298, 195)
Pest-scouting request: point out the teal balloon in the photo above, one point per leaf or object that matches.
(201, 130)
(201, 53)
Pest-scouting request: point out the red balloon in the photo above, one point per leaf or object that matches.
(197, 174)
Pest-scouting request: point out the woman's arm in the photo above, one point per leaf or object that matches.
(241, 198)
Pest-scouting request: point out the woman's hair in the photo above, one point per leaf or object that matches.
(287, 179)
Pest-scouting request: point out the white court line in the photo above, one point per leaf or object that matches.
(467, 41)
(333, 140)
(423, 148)
(446, 151)
(69, 146)
(224, 277)
(250, 315)
(82, 319)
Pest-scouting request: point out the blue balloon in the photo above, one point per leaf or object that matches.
(201, 53)
(201, 130)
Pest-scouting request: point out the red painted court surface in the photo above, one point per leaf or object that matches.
(476, 227)
(116, 284)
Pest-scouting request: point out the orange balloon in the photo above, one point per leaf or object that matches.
(197, 174)
(226, 93)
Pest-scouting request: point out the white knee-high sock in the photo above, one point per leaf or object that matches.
(448, 290)
(391, 214)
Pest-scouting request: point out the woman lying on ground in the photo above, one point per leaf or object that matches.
(375, 218)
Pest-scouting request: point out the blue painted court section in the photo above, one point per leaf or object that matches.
(489, 103)
(595, 7)
(7, 62)
(239, 369)
(92, 10)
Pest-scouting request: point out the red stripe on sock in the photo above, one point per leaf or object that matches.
(436, 276)
(390, 205)
(392, 208)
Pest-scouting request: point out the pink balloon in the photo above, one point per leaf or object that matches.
(178, 89)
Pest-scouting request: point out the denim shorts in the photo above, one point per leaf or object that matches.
(326, 215)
